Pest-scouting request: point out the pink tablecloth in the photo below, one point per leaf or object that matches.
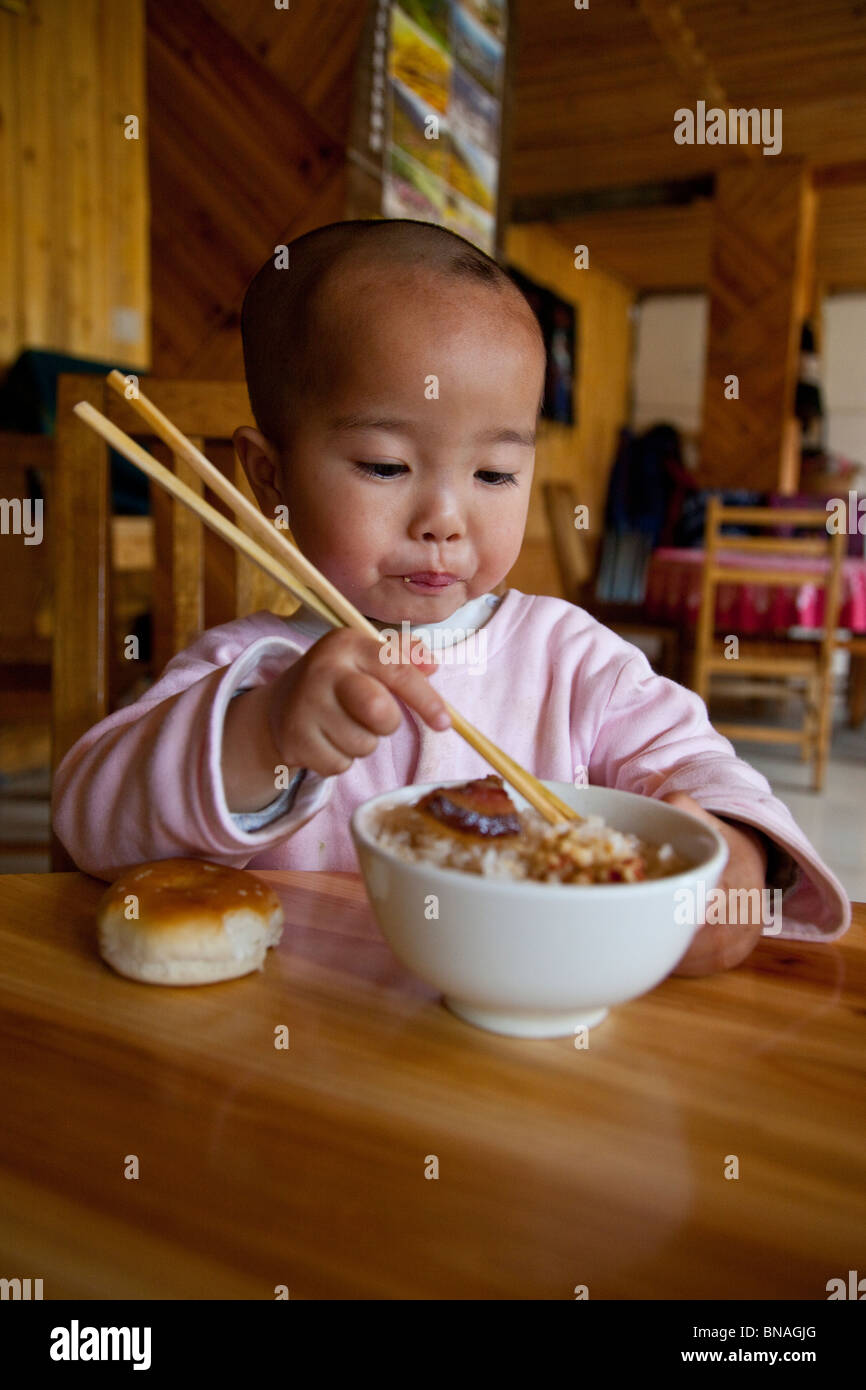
(674, 594)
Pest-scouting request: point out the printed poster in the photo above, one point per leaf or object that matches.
(442, 137)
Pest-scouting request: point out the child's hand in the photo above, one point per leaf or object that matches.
(335, 704)
(716, 946)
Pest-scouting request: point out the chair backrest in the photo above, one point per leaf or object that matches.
(569, 545)
(824, 549)
(198, 580)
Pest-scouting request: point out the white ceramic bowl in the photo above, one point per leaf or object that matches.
(539, 960)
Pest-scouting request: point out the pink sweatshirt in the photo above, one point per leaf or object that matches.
(558, 691)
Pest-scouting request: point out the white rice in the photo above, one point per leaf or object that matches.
(586, 851)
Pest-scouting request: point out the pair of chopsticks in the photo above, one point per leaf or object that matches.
(283, 561)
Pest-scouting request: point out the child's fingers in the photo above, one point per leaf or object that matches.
(333, 750)
(340, 658)
(405, 679)
(411, 686)
(364, 700)
(684, 802)
(372, 699)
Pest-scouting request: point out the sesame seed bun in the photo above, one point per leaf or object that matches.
(187, 922)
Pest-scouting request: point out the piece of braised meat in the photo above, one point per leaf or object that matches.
(481, 808)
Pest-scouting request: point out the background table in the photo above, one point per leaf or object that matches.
(673, 593)
(557, 1166)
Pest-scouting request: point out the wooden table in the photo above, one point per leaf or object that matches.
(558, 1166)
(673, 592)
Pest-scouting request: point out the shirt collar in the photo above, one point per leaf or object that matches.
(468, 618)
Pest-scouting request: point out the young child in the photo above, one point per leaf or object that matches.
(395, 373)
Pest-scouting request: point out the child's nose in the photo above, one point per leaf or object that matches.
(439, 536)
(438, 522)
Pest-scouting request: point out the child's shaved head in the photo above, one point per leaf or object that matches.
(290, 315)
(396, 374)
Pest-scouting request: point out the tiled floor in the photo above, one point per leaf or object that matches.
(834, 820)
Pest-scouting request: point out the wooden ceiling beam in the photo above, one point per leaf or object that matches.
(680, 44)
(839, 175)
(562, 207)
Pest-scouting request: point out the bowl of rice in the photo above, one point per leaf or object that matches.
(538, 933)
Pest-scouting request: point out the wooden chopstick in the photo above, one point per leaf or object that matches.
(340, 613)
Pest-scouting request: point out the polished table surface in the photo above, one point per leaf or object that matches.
(558, 1166)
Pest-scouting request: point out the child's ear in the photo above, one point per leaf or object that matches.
(261, 463)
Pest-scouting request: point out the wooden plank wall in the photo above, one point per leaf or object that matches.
(250, 109)
(583, 454)
(761, 284)
(74, 236)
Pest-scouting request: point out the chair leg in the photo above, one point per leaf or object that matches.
(818, 768)
(807, 747)
(824, 730)
(857, 690)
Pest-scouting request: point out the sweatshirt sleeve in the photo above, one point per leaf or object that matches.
(146, 782)
(655, 737)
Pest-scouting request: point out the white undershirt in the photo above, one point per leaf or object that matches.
(468, 618)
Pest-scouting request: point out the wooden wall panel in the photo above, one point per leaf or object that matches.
(761, 280)
(74, 236)
(239, 163)
(583, 454)
(310, 49)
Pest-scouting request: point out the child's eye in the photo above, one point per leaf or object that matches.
(379, 470)
(393, 470)
(496, 479)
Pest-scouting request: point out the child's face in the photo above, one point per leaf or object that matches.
(403, 467)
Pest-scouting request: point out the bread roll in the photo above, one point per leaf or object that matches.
(187, 922)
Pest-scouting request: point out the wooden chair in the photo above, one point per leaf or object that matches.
(578, 578)
(27, 617)
(198, 580)
(774, 660)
